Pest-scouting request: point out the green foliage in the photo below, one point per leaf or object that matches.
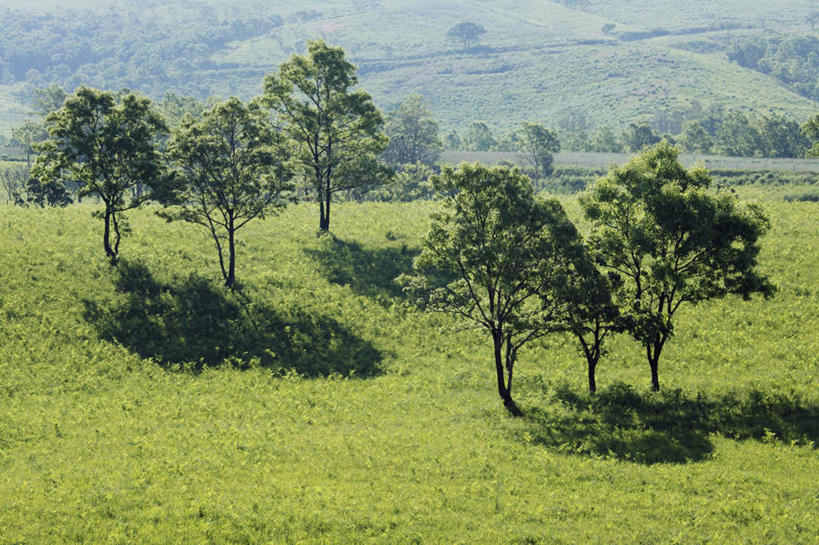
(105, 144)
(657, 227)
(537, 144)
(695, 139)
(793, 60)
(467, 34)
(229, 171)
(413, 134)
(335, 132)
(637, 136)
(493, 257)
(479, 137)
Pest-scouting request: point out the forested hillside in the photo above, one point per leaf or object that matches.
(603, 61)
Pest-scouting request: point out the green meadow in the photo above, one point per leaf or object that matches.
(146, 404)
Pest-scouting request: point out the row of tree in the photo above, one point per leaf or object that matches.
(514, 265)
(236, 162)
(733, 134)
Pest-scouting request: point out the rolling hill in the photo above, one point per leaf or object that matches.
(538, 60)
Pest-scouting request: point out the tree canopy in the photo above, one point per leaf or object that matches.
(657, 226)
(105, 143)
(413, 134)
(229, 170)
(335, 132)
(493, 257)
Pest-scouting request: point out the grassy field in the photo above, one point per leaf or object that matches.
(145, 404)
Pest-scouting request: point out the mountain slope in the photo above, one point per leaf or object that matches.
(537, 60)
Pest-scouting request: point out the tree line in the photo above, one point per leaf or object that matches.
(497, 256)
(715, 131)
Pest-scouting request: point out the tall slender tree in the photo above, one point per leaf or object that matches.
(335, 131)
(228, 170)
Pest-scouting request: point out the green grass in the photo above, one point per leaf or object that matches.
(117, 425)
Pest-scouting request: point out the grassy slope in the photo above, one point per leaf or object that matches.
(534, 66)
(101, 445)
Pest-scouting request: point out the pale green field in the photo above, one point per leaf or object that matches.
(104, 438)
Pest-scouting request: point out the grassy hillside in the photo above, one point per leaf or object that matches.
(538, 59)
(144, 404)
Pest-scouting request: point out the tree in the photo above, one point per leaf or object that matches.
(536, 144)
(604, 140)
(591, 313)
(695, 139)
(453, 140)
(48, 99)
(466, 33)
(13, 182)
(781, 137)
(27, 136)
(413, 134)
(105, 144)
(479, 137)
(335, 133)
(639, 135)
(491, 257)
(229, 170)
(738, 137)
(811, 131)
(672, 241)
(45, 192)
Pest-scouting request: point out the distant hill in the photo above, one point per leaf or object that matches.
(601, 61)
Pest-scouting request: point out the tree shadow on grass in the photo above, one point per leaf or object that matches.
(192, 323)
(671, 426)
(369, 272)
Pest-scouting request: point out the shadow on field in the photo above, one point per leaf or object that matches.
(369, 272)
(669, 426)
(191, 322)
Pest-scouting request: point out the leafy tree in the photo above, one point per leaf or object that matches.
(695, 139)
(781, 137)
(229, 170)
(452, 141)
(413, 134)
(604, 140)
(811, 131)
(49, 99)
(335, 132)
(27, 136)
(45, 192)
(537, 143)
(672, 241)
(105, 144)
(479, 137)
(736, 136)
(13, 182)
(492, 257)
(466, 33)
(639, 135)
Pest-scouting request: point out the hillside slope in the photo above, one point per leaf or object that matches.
(537, 60)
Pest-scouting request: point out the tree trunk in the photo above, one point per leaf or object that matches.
(503, 390)
(231, 273)
(653, 351)
(592, 381)
(106, 237)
